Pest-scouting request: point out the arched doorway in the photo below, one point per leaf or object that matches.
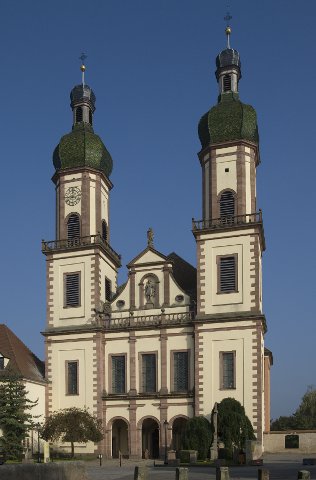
(119, 438)
(150, 438)
(178, 429)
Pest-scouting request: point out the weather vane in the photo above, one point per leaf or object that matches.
(82, 57)
(228, 29)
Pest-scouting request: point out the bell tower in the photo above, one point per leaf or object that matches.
(230, 242)
(81, 264)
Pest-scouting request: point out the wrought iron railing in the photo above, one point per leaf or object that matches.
(227, 221)
(79, 242)
(163, 319)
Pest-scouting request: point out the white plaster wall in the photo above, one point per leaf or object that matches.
(117, 347)
(107, 270)
(248, 185)
(176, 290)
(36, 391)
(216, 341)
(105, 200)
(93, 229)
(148, 344)
(225, 243)
(71, 349)
(72, 181)
(207, 189)
(226, 179)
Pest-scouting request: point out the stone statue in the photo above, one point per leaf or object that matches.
(214, 450)
(150, 291)
(103, 313)
(150, 237)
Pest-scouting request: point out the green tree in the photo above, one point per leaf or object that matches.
(197, 436)
(72, 425)
(15, 416)
(304, 418)
(234, 427)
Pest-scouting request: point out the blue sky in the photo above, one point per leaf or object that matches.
(151, 65)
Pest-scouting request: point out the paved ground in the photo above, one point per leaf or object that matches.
(281, 467)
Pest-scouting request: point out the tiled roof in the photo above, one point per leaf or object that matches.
(21, 360)
(184, 274)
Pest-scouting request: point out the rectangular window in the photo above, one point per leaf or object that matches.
(227, 370)
(108, 289)
(227, 273)
(118, 374)
(148, 373)
(180, 371)
(72, 289)
(72, 384)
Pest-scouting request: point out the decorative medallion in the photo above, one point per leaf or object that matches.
(73, 196)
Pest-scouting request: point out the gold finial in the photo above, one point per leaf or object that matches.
(82, 57)
(228, 29)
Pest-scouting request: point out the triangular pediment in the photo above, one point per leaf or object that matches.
(147, 256)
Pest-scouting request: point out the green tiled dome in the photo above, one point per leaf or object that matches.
(229, 120)
(82, 147)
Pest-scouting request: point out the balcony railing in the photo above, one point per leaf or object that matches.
(162, 319)
(78, 242)
(227, 221)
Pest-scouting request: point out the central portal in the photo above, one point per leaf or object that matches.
(150, 438)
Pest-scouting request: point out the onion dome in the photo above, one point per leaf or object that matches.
(82, 147)
(230, 119)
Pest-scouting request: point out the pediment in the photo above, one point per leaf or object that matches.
(148, 256)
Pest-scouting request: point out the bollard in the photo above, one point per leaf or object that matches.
(222, 473)
(263, 474)
(181, 473)
(304, 475)
(140, 472)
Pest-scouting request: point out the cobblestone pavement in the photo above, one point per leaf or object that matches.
(280, 468)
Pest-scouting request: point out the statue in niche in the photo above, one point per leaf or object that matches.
(150, 291)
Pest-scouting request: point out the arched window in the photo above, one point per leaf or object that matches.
(90, 117)
(227, 83)
(79, 115)
(104, 231)
(227, 204)
(73, 226)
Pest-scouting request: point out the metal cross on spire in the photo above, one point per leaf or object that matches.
(82, 57)
(228, 29)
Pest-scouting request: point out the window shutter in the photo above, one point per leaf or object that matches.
(181, 371)
(228, 369)
(227, 274)
(227, 204)
(73, 227)
(79, 115)
(72, 378)
(118, 374)
(227, 83)
(149, 372)
(104, 231)
(108, 289)
(72, 293)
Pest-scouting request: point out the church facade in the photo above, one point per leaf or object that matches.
(148, 355)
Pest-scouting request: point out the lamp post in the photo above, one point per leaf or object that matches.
(38, 443)
(166, 423)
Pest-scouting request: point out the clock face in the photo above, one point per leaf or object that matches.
(73, 196)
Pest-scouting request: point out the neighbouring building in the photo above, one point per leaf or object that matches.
(173, 340)
(17, 359)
